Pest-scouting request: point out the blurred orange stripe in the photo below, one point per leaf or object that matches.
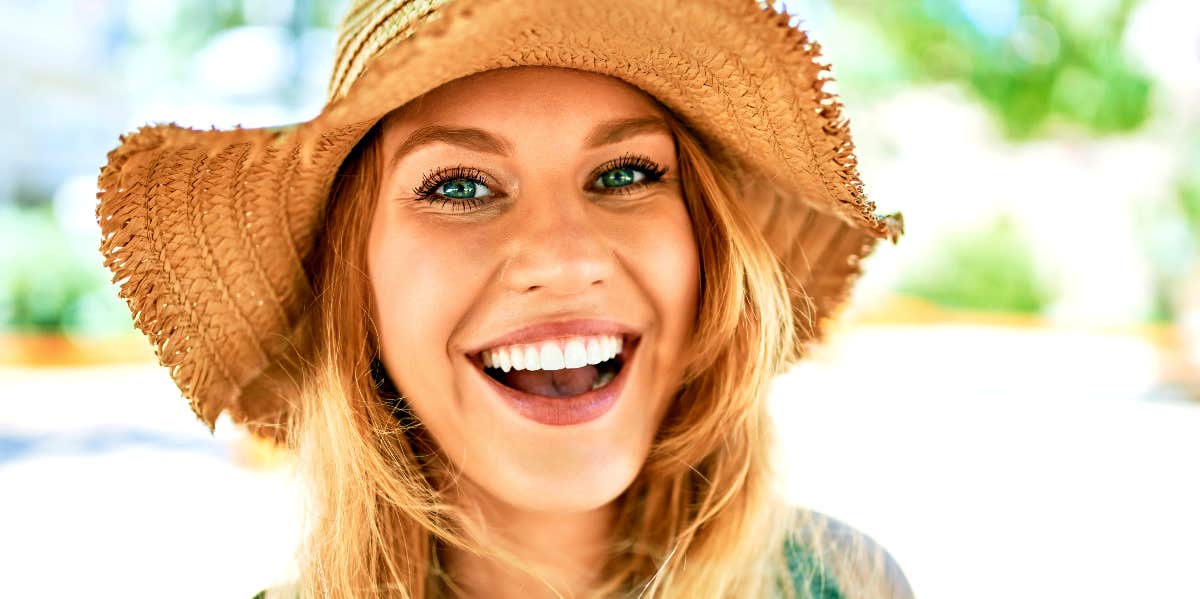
(37, 350)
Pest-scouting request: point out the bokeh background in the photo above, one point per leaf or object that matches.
(1011, 405)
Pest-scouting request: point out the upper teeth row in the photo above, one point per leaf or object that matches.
(575, 352)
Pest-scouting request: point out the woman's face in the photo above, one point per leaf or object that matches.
(532, 218)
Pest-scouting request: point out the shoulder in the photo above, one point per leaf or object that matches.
(829, 553)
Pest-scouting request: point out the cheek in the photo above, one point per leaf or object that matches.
(679, 265)
(660, 251)
(421, 284)
(667, 261)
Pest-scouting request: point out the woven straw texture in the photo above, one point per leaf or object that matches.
(207, 231)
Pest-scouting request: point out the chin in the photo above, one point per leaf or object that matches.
(583, 488)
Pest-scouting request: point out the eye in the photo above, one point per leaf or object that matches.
(620, 177)
(627, 174)
(465, 187)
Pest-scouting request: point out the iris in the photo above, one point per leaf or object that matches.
(618, 177)
(459, 189)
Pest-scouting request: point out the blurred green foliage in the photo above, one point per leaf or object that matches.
(179, 30)
(1188, 192)
(1031, 62)
(989, 268)
(194, 22)
(1170, 234)
(52, 282)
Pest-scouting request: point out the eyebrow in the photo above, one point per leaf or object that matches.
(610, 132)
(603, 134)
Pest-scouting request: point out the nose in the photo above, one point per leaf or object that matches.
(557, 249)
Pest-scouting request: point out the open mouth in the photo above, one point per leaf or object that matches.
(523, 370)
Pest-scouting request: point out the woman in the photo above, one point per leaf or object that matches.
(515, 297)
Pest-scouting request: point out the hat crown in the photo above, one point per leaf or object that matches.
(370, 27)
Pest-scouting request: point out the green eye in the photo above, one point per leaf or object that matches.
(463, 189)
(620, 177)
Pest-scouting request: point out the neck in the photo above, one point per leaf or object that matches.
(566, 549)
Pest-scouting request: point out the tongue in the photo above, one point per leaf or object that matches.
(566, 382)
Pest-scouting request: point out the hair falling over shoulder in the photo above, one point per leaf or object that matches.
(704, 517)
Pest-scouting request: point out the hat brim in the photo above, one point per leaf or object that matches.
(207, 231)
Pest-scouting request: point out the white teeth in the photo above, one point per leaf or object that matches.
(533, 360)
(575, 352)
(594, 353)
(552, 357)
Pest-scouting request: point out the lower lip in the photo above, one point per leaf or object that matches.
(564, 411)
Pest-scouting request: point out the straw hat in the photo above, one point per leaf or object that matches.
(207, 232)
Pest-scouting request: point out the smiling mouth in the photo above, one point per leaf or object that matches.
(562, 382)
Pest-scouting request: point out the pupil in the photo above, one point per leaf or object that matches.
(618, 177)
(460, 189)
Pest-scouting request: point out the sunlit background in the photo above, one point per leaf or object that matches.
(1011, 405)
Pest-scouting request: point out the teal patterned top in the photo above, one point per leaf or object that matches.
(809, 573)
(806, 570)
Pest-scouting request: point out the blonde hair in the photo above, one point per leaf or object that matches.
(703, 518)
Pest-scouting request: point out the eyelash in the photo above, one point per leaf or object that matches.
(654, 173)
(435, 179)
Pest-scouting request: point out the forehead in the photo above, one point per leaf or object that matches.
(519, 98)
